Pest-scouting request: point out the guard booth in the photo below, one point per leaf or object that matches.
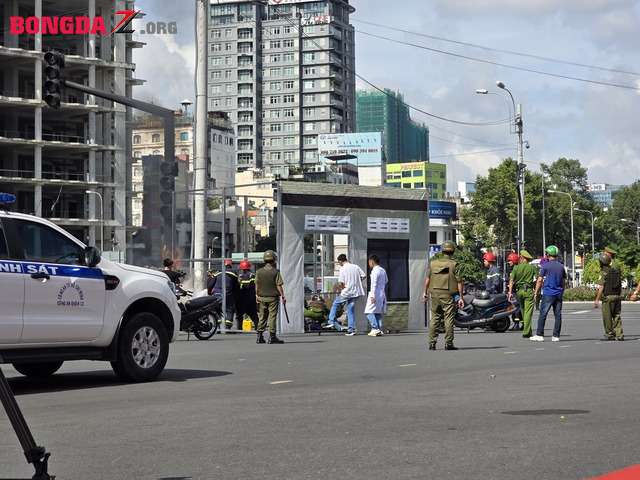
(317, 222)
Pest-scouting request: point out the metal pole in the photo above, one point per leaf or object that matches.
(593, 234)
(544, 228)
(199, 231)
(173, 223)
(521, 170)
(573, 251)
(223, 242)
(245, 227)
(101, 221)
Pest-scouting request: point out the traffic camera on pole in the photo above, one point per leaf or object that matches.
(54, 64)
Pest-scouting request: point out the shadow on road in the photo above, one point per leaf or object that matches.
(98, 379)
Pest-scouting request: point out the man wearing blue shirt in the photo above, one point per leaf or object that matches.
(552, 280)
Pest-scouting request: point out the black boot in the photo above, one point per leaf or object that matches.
(432, 346)
(273, 340)
(450, 346)
(260, 338)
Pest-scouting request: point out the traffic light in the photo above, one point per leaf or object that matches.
(54, 63)
(168, 174)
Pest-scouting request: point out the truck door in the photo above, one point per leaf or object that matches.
(11, 295)
(64, 299)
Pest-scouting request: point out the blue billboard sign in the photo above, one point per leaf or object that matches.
(442, 210)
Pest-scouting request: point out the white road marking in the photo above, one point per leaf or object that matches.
(539, 349)
(565, 346)
(281, 382)
(580, 312)
(510, 353)
(407, 365)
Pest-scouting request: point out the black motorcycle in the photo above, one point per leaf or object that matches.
(486, 311)
(200, 316)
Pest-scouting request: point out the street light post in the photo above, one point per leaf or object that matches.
(93, 192)
(519, 130)
(593, 236)
(573, 251)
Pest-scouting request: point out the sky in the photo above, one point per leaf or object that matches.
(562, 118)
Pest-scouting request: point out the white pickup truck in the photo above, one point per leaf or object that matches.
(60, 301)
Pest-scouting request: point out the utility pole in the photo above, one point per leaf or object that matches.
(199, 235)
(522, 168)
(544, 228)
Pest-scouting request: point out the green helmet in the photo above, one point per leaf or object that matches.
(605, 260)
(552, 250)
(269, 256)
(448, 247)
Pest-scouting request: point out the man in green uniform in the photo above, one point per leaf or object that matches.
(443, 282)
(611, 293)
(269, 292)
(523, 280)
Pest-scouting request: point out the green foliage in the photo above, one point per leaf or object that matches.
(214, 203)
(591, 272)
(580, 294)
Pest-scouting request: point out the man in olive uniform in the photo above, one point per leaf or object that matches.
(443, 282)
(269, 291)
(611, 293)
(522, 280)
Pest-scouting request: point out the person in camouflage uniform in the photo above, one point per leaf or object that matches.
(442, 283)
(610, 292)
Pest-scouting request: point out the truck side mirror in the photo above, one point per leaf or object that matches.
(91, 257)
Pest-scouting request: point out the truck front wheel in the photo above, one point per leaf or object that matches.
(143, 349)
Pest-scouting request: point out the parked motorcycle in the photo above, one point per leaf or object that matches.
(486, 311)
(200, 316)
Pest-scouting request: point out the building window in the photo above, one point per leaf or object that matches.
(228, 74)
(287, 43)
(275, 113)
(228, 32)
(275, 86)
(275, 72)
(418, 185)
(137, 154)
(275, 44)
(275, 58)
(309, 57)
(216, 47)
(184, 136)
(274, 99)
(289, 72)
(216, 61)
(245, 116)
(288, 57)
(215, 89)
(288, 156)
(275, 156)
(309, 84)
(406, 174)
(275, 127)
(276, 142)
(309, 127)
(216, 75)
(289, 113)
(156, 152)
(245, 33)
(289, 99)
(289, 140)
(289, 127)
(216, 33)
(310, 140)
(289, 84)
(275, 31)
(416, 173)
(155, 138)
(309, 112)
(286, 29)
(136, 139)
(310, 70)
(406, 185)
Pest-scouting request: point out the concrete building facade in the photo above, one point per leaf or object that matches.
(419, 175)
(50, 159)
(284, 74)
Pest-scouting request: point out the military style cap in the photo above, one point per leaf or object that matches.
(610, 251)
(605, 260)
(525, 254)
(448, 247)
(269, 256)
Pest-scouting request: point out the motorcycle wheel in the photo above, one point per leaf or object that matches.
(501, 325)
(207, 334)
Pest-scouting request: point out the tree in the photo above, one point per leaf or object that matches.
(626, 205)
(470, 268)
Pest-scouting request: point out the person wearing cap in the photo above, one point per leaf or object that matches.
(216, 286)
(269, 293)
(246, 304)
(523, 280)
(442, 283)
(610, 291)
(551, 280)
(493, 282)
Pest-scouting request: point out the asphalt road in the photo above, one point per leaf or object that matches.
(333, 407)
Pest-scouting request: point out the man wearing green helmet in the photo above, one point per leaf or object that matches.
(551, 280)
(610, 291)
(443, 282)
(269, 292)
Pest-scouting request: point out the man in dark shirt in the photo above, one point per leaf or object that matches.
(168, 270)
(552, 280)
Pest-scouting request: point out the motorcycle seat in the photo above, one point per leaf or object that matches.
(494, 300)
(201, 302)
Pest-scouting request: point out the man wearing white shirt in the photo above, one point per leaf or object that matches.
(350, 285)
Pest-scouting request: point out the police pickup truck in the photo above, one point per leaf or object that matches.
(60, 301)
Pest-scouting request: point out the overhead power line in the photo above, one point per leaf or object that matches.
(472, 153)
(499, 50)
(499, 64)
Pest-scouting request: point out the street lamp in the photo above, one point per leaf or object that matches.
(517, 121)
(593, 237)
(93, 192)
(573, 251)
(637, 224)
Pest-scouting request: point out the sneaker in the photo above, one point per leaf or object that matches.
(380, 333)
(450, 347)
(620, 339)
(373, 332)
(537, 338)
(350, 334)
(555, 339)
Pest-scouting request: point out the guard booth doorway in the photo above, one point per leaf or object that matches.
(317, 222)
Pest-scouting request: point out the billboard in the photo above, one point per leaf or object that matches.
(365, 147)
(442, 210)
